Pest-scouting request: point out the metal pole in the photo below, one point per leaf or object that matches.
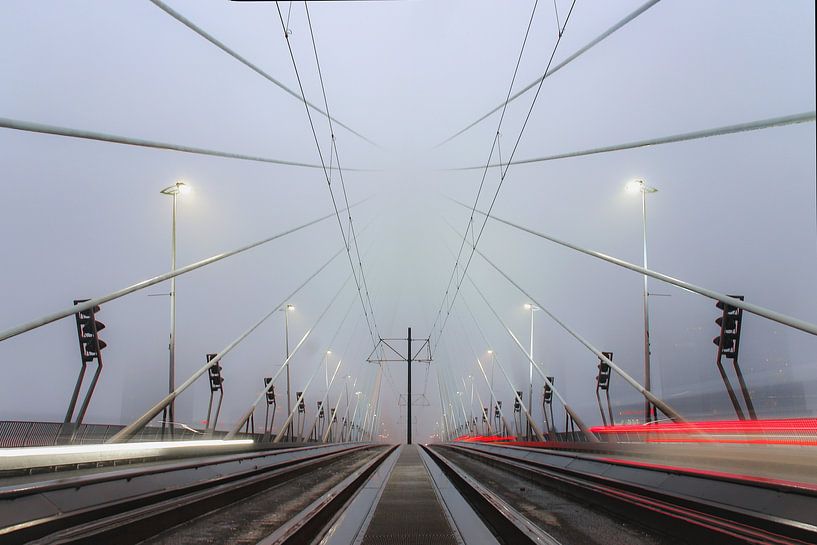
(288, 430)
(314, 427)
(172, 368)
(647, 405)
(530, 370)
(408, 401)
(492, 409)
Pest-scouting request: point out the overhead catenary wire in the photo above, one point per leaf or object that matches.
(255, 68)
(503, 174)
(550, 71)
(325, 171)
(494, 144)
(334, 147)
(81, 307)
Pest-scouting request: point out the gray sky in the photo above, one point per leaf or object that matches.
(80, 218)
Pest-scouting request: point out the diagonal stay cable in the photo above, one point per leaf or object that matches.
(128, 431)
(53, 317)
(255, 68)
(43, 128)
(767, 123)
(503, 174)
(549, 72)
(325, 171)
(663, 406)
(769, 314)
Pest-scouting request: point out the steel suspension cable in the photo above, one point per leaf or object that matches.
(255, 68)
(549, 72)
(128, 431)
(81, 307)
(770, 314)
(42, 128)
(246, 416)
(768, 123)
(652, 398)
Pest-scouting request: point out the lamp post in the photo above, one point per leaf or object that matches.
(491, 396)
(532, 308)
(179, 188)
(641, 186)
(286, 310)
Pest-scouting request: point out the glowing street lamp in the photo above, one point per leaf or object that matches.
(642, 187)
(179, 188)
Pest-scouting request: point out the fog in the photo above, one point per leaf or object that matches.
(80, 218)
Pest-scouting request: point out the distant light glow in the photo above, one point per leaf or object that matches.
(184, 189)
(634, 186)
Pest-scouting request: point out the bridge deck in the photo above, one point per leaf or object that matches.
(409, 512)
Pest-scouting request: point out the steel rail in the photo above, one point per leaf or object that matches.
(508, 523)
(202, 492)
(616, 490)
(310, 524)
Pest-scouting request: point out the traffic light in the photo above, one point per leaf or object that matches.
(547, 396)
(603, 378)
(603, 385)
(270, 392)
(88, 328)
(484, 412)
(214, 373)
(302, 404)
(729, 339)
(90, 349)
(728, 343)
(334, 417)
(497, 408)
(320, 410)
(517, 407)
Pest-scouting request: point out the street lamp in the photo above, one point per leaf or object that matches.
(286, 310)
(491, 396)
(641, 186)
(532, 308)
(179, 188)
